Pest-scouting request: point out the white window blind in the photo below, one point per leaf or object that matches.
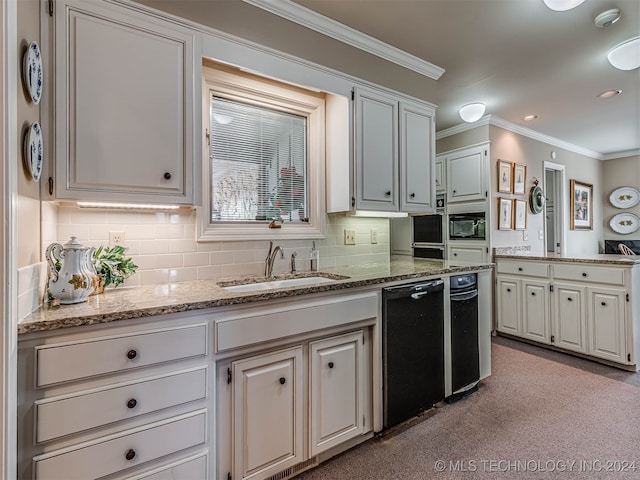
(258, 163)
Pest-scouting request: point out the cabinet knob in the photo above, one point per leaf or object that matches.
(604, 304)
(131, 354)
(413, 195)
(454, 191)
(455, 254)
(130, 455)
(283, 380)
(519, 269)
(585, 274)
(330, 364)
(508, 289)
(167, 176)
(533, 294)
(131, 403)
(388, 193)
(569, 299)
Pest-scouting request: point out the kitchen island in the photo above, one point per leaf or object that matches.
(588, 305)
(195, 380)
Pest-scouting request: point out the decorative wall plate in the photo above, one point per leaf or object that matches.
(624, 197)
(32, 72)
(33, 155)
(624, 223)
(536, 199)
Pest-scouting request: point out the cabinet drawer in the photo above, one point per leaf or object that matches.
(110, 455)
(523, 268)
(588, 273)
(57, 417)
(190, 468)
(74, 360)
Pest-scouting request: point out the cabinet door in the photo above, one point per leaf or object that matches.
(376, 151)
(417, 151)
(126, 96)
(467, 253)
(607, 327)
(466, 173)
(441, 179)
(569, 315)
(509, 306)
(536, 320)
(337, 390)
(267, 413)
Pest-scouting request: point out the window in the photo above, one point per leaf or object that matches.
(265, 159)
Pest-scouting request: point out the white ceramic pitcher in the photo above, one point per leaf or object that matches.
(73, 283)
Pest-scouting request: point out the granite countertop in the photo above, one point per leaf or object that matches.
(149, 300)
(605, 259)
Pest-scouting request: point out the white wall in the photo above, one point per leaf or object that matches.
(622, 172)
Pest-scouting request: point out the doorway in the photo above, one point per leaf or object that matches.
(554, 208)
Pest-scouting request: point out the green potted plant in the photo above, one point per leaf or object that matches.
(112, 266)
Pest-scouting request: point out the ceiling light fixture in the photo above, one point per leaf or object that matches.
(530, 117)
(607, 18)
(562, 5)
(626, 56)
(472, 112)
(610, 93)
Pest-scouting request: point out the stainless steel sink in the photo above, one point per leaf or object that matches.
(273, 284)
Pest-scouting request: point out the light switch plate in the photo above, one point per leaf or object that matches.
(374, 236)
(525, 235)
(349, 237)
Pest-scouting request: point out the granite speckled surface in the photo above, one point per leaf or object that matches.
(146, 301)
(603, 259)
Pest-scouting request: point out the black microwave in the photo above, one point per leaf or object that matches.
(467, 226)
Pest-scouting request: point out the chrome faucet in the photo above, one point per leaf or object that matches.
(271, 257)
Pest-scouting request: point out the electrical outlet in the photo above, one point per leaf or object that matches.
(349, 237)
(525, 235)
(374, 236)
(116, 238)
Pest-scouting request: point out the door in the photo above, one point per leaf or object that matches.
(509, 306)
(376, 150)
(267, 413)
(337, 390)
(466, 174)
(417, 152)
(536, 323)
(569, 316)
(607, 328)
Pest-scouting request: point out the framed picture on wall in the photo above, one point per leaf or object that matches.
(505, 176)
(504, 213)
(519, 214)
(581, 205)
(519, 177)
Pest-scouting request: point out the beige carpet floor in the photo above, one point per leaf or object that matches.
(541, 415)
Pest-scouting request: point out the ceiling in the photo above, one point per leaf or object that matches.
(519, 58)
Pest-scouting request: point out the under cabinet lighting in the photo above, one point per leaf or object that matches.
(127, 206)
(372, 213)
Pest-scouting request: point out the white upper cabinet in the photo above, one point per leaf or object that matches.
(127, 117)
(394, 153)
(466, 174)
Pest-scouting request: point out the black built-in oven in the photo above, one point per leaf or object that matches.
(428, 236)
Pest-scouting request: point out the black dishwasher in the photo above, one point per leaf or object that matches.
(465, 356)
(412, 349)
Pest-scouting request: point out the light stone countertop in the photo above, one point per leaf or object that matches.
(603, 259)
(150, 300)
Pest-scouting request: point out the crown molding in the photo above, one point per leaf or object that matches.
(350, 36)
(525, 132)
(616, 155)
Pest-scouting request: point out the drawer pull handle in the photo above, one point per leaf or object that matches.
(508, 289)
(604, 304)
(167, 176)
(533, 294)
(388, 193)
(570, 299)
(330, 364)
(585, 274)
(283, 380)
(519, 269)
(131, 403)
(455, 254)
(413, 195)
(131, 354)
(130, 455)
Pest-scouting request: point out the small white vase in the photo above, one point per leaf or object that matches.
(73, 283)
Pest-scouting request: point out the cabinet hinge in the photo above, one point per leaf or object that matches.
(628, 357)
(50, 185)
(486, 153)
(553, 338)
(207, 135)
(353, 201)
(364, 421)
(486, 194)
(229, 476)
(551, 288)
(627, 296)
(487, 249)
(51, 8)
(229, 378)
(353, 95)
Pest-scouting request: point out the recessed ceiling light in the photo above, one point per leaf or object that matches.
(626, 56)
(610, 93)
(562, 5)
(472, 112)
(530, 117)
(607, 18)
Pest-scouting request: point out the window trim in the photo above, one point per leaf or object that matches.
(249, 88)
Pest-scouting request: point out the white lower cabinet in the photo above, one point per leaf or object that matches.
(466, 253)
(583, 308)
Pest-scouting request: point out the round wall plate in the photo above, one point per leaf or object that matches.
(536, 199)
(33, 151)
(32, 72)
(624, 223)
(624, 197)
